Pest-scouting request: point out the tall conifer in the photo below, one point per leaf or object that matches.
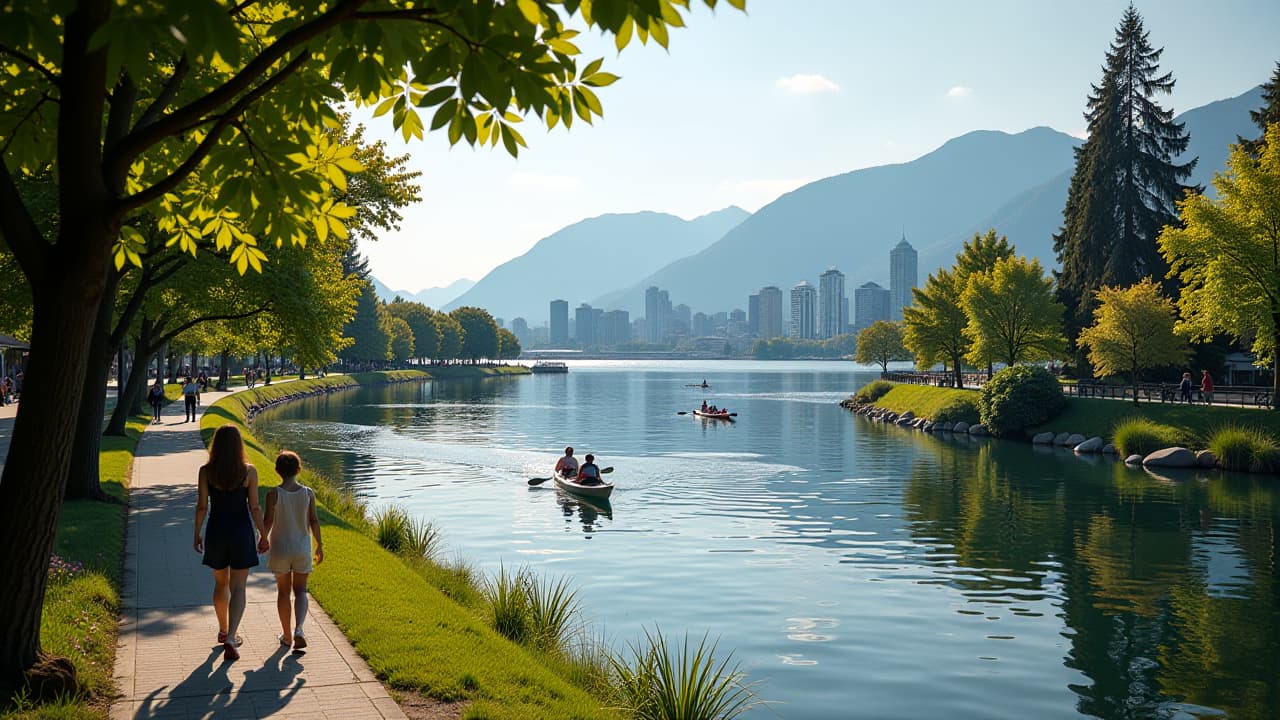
(1126, 183)
(1266, 115)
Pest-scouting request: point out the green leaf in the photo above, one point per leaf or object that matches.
(436, 96)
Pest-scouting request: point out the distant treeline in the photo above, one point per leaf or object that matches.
(784, 348)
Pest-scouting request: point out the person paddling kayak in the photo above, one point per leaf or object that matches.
(567, 465)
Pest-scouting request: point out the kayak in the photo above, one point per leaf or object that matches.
(577, 488)
(714, 416)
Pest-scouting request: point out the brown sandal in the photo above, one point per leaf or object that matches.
(229, 652)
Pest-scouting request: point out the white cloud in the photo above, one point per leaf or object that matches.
(544, 182)
(751, 195)
(802, 84)
(959, 92)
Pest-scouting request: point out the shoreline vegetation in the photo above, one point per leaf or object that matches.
(1228, 438)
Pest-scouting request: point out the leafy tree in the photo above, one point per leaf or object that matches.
(211, 116)
(881, 343)
(426, 335)
(1133, 331)
(1012, 314)
(451, 337)
(368, 334)
(1126, 183)
(933, 325)
(508, 345)
(401, 336)
(1225, 254)
(1266, 115)
(479, 333)
(980, 254)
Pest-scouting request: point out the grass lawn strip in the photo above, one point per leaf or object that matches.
(396, 611)
(923, 400)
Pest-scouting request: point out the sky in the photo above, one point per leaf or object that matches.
(745, 107)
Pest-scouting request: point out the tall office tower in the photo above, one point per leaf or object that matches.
(702, 326)
(770, 312)
(615, 328)
(902, 277)
(654, 313)
(736, 315)
(559, 323)
(753, 313)
(871, 303)
(520, 328)
(804, 305)
(833, 313)
(585, 323)
(848, 318)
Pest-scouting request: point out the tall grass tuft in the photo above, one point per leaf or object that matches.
(553, 612)
(507, 595)
(1245, 449)
(662, 681)
(1140, 436)
(391, 528)
(423, 539)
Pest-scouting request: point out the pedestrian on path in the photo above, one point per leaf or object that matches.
(1185, 387)
(228, 493)
(291, 513)
(1206, 387)
(191, 397)
(155, 396)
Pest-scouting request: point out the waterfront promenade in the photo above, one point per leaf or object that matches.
(168, 663)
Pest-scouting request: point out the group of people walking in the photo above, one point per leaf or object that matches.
(1186, 387)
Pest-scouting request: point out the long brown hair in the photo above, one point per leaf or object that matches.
(226, 464)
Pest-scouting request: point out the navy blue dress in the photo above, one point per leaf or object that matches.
(228, 538)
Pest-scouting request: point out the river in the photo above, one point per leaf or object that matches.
(854, 569)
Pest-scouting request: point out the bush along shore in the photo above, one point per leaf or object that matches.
(1020, 404)
(450, 641)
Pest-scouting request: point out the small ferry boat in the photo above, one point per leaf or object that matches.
(550, 367)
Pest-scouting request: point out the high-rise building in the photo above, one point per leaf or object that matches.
(702, 325)
(753, 313)
(559, 323)
(653, 314)
(585, 323)
(848, 318)
(870, 304)
(804, 306)
(736, 315)
(520, 328)
(833, 312)
(770, 312)
(615, 328)
(902, 277)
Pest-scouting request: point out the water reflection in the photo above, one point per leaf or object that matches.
(588, 510)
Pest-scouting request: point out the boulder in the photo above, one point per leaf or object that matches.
(1061, 438)
(960, 427)
(1044, 438)
(904, 422)
(930, 426)
(1133, 460)
(1075, 439)
(1206, 459)
(946, 426)
(1109, 449)
(908, 415)
(1092, 445)
(978, 430)
(1175, 457)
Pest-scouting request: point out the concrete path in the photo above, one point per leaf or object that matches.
(168, 662)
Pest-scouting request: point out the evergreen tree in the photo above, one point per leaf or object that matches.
(1126, 183)
(371, 341)
(1266, 115)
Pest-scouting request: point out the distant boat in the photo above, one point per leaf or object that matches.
(720, 415)
(550, 367)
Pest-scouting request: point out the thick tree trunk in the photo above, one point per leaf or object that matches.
(82, 480)
(135, 387)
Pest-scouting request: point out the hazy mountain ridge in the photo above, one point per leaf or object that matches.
(591, 257)
(431, 297)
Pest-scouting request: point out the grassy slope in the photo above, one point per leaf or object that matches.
(1091, 416)
(412, 634)
(923, 400)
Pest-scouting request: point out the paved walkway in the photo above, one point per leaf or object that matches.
(168, 662)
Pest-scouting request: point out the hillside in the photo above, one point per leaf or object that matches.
(431, 297)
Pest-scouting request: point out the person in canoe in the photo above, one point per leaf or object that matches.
(589, 473)
(704, 406)
(568, 465)
(704, 383)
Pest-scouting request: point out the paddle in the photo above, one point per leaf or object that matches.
(539, 481)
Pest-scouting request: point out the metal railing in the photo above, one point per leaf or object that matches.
(1241, 395)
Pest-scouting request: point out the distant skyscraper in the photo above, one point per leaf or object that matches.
(559, 323)
(833, 314)
(753, 314)
(770, 312)
(804, 306)
(520, 328)
(702, 326)
(615, 328)
(902, 277)
(736, 315)
(653, 314)
(584, 323)
(870, 303)
(682, 318)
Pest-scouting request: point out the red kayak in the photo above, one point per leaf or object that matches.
(715, 415)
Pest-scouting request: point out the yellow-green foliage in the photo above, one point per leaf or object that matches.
(1138, 435)
(1245, 449)
(926, 401)
(872, 391)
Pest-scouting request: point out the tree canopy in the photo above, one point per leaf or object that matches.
(881, 343)
(1133, 331)
(479, 333)
(1266, 115)
(1012, 314)
(1225, 254)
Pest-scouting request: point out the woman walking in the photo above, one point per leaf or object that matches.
(156, 397)
(228, 493)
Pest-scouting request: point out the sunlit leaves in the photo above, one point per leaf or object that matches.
(129, 247)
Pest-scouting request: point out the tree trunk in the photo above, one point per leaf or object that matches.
(1275, 364)
(135, 389)
(83, 480)
(224, 368)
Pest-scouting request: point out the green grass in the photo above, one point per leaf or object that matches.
(1244, 448)
(1196, 423)
(421, 626)
(663, 681)
(1142, 436)
(923, 400)
(872, 391)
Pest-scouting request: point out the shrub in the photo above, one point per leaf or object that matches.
(662, 681)
(872, 391)
(508, 597)
(961, 409)
(1019, 397)
(422, 539)
(1140, 436)
(1245, 449)
(392, 527)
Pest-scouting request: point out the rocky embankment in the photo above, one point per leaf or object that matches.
(1081, 445)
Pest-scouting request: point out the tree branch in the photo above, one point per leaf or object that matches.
(166, 94)
(156, 191)
(19, 231)
(166, 337)
(33, 64)
(13, 134)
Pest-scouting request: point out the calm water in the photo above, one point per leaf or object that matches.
(856, 570)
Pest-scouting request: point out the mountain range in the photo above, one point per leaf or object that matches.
(431, 297)
(1014, 182)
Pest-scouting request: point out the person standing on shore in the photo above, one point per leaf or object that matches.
(291, 513)
(228, 494)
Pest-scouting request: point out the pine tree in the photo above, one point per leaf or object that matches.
(1266, 115)
(1126, 183)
